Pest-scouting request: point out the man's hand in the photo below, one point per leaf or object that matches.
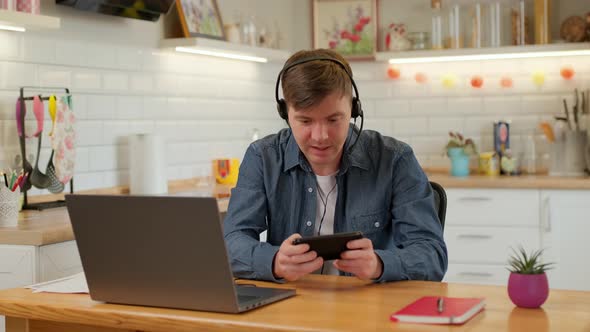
(294, 261)
(361, 260)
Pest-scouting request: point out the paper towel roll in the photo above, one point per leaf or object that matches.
(147, 165)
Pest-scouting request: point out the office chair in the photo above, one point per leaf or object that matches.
(440, 202)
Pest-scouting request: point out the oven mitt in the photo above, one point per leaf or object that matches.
(64, 136)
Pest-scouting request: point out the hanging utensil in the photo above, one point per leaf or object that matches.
(575, 110)
(37, 178)
(55, 186)
(567, 114)
(20, 125)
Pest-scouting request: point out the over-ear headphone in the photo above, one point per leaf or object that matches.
(356, 109)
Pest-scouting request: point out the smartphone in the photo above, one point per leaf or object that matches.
(329, 247)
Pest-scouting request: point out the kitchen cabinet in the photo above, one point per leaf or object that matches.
(22, 265)
(482, 225)
(565, 228)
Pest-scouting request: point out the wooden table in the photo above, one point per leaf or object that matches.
(511, 182)
(323, 303)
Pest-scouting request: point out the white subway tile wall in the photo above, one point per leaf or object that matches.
(208, 108)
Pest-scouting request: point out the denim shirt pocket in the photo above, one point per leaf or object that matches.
(370, 224)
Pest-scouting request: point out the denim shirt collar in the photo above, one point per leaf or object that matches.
(355, 158)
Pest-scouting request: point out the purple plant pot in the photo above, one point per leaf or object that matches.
(528, 290)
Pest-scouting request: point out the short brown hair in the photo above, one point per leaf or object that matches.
(307, 84)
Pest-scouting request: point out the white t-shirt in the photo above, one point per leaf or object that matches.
(326, 206)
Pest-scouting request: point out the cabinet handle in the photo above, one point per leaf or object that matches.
(546, 214)
(474, 199)
(474, 236)
(476, 274)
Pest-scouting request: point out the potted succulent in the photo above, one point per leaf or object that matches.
(527, 285)
(459, 151)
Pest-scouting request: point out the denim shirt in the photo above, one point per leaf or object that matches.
(382, 192)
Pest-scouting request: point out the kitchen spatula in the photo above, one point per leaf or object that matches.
(55, 185)
(37, 178)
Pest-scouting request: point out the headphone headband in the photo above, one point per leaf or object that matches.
(305, 60)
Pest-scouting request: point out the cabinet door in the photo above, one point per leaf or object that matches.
(58, 260)
(17, 266)
(477, 274)
(565, 217)
(493, 207)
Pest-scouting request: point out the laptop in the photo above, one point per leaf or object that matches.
(161, 251)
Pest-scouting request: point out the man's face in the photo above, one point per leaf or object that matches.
(321, 130)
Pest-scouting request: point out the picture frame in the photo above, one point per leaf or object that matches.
(349, 27)
(200, 18)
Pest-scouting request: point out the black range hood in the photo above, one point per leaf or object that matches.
(148, 10)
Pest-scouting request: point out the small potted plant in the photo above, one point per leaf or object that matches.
(527, 285)
(459, 151)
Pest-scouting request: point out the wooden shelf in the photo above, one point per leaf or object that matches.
(28, 21)
(509, 52)
(212, 45)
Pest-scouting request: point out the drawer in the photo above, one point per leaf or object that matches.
(58, 260)
(477, 274)
(17, 266)
(488, 245)
(492, 207)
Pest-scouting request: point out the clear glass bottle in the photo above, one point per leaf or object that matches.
(493, 19)
(529, 154)
(436, 37)
(249, 34)
(454, 37)
(474, 25)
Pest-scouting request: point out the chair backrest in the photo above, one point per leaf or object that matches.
(440, 201)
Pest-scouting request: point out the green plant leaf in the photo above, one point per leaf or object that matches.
(527, 263)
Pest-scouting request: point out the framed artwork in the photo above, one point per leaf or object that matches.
(346, 26)
(200, 18)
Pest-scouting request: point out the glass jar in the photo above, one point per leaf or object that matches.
(493, 24)
(542, 21)
(474, 24)
(418, 39)
(519, 23)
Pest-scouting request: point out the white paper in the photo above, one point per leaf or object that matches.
(74, 284)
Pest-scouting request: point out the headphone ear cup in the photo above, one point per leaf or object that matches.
(357, 109)
(282, 109)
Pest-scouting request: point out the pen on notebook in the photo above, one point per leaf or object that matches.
(440, 305)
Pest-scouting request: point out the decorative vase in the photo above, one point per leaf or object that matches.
(459, 162)
(528, 290)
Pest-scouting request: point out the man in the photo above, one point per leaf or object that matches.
(320, 176)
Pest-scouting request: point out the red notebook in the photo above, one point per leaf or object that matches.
(425, 310)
